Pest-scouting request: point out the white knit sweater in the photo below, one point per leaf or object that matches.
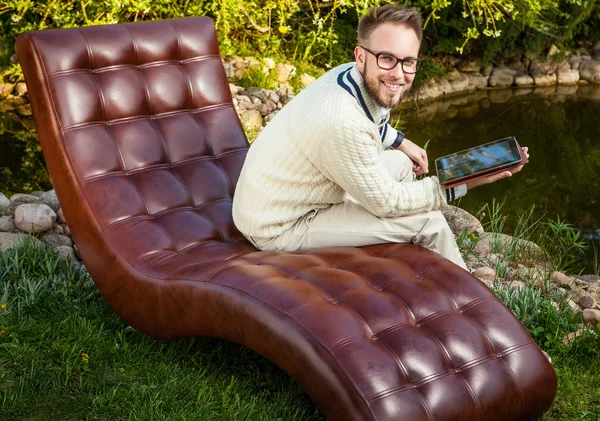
(321, 144)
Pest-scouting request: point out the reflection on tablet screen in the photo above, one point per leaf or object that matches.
(482, 158)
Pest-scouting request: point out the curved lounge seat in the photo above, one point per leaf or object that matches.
(144, 147)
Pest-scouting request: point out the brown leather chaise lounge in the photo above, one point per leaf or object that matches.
(144, 147)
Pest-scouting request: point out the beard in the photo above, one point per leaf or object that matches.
(386, 100)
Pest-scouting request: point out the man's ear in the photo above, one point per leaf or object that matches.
(359, 57)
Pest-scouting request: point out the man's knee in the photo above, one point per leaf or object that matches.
(435, 228)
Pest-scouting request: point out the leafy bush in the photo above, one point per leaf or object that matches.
(324, 33)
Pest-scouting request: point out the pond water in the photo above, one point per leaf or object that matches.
(561, 127)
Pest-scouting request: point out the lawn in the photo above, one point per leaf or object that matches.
(64, 355)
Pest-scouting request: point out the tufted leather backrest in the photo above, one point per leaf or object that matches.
(149, 127)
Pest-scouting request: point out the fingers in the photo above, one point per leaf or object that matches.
(425, 161)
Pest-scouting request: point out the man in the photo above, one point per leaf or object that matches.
(319, 175)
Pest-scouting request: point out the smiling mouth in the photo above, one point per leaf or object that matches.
(392, 86)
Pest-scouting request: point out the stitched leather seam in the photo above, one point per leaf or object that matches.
(157, 116)
(111, 68)
(153, 167)
(167, 212)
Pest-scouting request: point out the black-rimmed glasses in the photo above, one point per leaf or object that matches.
(387, 61)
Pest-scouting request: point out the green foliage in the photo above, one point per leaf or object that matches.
(22, 167)
(255, 76)
(562, 242)
(325, 33)
(548, 319)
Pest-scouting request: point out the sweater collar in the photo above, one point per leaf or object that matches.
(353, 82)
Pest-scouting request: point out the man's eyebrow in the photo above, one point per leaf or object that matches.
(393, 55)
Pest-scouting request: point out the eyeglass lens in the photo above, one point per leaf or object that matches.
(388, 62)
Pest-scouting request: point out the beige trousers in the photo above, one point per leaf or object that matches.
(350, 224)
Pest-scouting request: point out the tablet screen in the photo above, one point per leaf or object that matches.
(494, 155)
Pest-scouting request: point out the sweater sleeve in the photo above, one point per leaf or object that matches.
(349, 156)
(390, 137)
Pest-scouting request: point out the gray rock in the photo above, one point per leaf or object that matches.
(283, 72)
(274, 97)
(460, 220)
(229, 70)
(49, 198)
(234, 89)
(21, 89)
(483, 248)
(590, 70)
(577, 293)
(34, 217)
(5, 89)
(260, 95)
(524, 80)
(10, 240)
(591, 317)
(501, 77)
(459, 82)
(575, 61)
(477, 81)
(573, 306)
(251, 120)
(543, 79)
(37, 193)
(501, 242)
(19, 199)
(269, 63)
(306, 79)
(542, 66)
(485, 273)
(60, 216)
(7, 225)
(4, 204)
(65, 252)
(590, 278)
(57, 240)
(562, 280)
(487, 70)
(586, 302)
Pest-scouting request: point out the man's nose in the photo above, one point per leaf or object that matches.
(397, 72)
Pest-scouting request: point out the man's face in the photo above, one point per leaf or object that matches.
(387, 87)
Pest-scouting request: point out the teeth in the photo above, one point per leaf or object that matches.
(389, 85)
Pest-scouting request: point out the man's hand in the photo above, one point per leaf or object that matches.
(495, 177)
(417, 155)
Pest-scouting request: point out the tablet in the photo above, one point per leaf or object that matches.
(480, 160)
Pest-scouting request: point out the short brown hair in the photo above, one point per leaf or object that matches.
(390, 13)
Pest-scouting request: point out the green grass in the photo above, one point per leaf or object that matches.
(64, 355)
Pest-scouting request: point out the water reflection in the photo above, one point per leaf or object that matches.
(560, 127)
